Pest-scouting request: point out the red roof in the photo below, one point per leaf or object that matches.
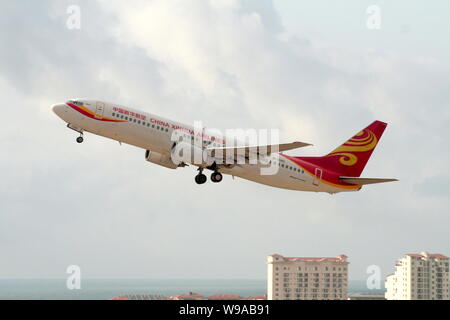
(439, 256)
(263, 297)
(436, 256)
(190, 296)
(313, 259)
(225, 297)
(340, 258)
(121, 298)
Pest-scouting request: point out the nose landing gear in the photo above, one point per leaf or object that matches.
(80, 139)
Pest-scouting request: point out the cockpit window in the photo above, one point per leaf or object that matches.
(77, 103)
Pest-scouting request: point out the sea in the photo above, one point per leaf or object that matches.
(105, 289)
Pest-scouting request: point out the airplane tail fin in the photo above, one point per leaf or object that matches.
(351, 158)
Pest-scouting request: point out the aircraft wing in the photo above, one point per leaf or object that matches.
(364, 181)
(256, 150)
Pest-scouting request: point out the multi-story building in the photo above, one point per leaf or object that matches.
(307, 278)
(421, 276)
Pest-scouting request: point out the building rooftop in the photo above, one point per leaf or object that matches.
(263, 297)
(190, 296)
(139, 297)
(224, 297)
(339, 258)
(426, 254)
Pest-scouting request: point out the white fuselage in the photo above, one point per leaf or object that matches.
(154, 133)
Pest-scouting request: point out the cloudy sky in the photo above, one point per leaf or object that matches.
(312, 69)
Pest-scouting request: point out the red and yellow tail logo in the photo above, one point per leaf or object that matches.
(364, 141)
(350, 158)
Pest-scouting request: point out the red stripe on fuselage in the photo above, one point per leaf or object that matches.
(90, 114)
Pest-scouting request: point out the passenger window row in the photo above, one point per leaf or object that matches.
(143, 123)
(291, 168)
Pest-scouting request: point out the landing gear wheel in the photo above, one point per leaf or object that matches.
(201, 179)
(80, 139)
(216, 177)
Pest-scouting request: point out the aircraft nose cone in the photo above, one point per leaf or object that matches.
(59, 108)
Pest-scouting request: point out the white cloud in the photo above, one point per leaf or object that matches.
(230, 64)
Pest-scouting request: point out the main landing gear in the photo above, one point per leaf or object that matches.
(200, 179)
(216, 177)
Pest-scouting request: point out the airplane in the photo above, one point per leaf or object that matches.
(338, 171)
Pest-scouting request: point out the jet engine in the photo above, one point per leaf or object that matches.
(160, 159)
(185, 153)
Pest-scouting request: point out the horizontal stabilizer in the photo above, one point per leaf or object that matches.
(364, 181)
